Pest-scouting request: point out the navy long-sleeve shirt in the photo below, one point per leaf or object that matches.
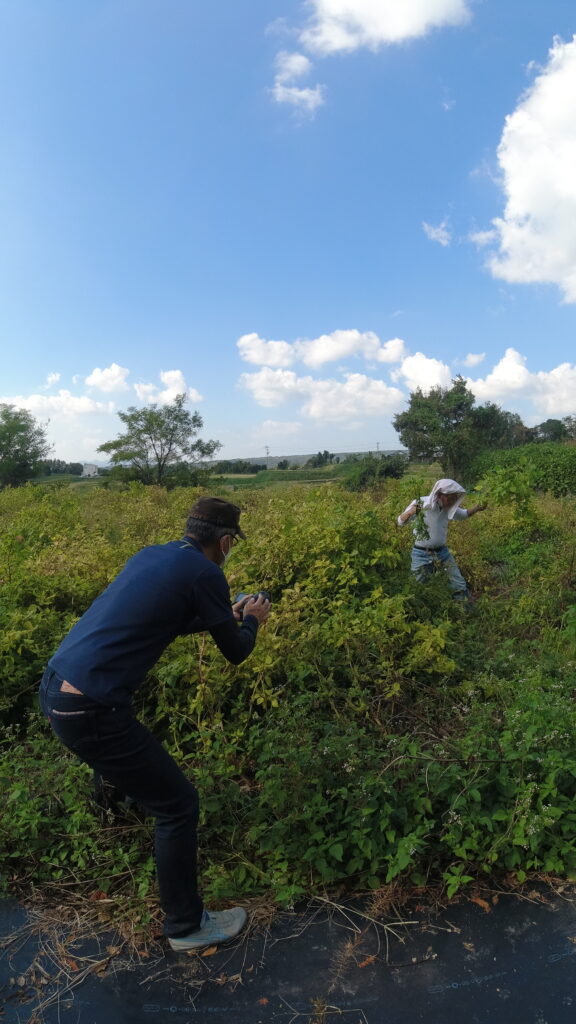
(163, 591)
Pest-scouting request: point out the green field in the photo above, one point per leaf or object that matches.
(378, 732)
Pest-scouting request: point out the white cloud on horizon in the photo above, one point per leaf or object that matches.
(553, 392)
(76, 424)
(329, 400)
(62, 404)
(441, 233)
(535, 237)
(357, 397)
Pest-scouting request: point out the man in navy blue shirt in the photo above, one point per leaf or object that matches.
(163, 591)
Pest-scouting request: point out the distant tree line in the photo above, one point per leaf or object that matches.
(55, 467)
(241, 466)
(324, 458)
(159, 444)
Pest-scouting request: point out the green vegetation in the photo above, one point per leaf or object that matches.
(549, 466)
(271, 477)
(378, 730)
(23, 446)
(158, 446)
(446, 425)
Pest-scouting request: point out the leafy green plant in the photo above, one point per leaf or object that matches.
(374, 732)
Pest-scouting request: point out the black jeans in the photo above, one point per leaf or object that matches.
(120, 749)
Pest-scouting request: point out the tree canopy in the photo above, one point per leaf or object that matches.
(324, 458)
(446, 426)
(56, 467)
(159, 446)
(23, 445)
(552, 430)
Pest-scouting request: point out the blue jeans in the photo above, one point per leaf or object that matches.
(120, 749)
(423, 563)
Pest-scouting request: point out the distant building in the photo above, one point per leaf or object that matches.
(89, 469)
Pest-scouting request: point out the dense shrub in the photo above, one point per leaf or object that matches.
(376, 729)
(553, 466)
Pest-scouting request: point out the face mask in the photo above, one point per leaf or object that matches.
(225, 555)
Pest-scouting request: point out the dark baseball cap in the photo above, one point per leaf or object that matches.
(218, 512)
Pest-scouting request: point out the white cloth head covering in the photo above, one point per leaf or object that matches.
(445, 486)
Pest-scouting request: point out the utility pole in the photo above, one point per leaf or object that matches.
(267, 450)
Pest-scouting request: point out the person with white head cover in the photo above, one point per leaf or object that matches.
(434, 511)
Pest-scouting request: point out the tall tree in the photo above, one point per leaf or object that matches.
(570, 424)
(159, 443)
(551, 430)
(324, 458)
(23, 445)
(444, 425)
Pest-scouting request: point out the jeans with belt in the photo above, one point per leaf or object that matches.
(423, 561)
(123, 751)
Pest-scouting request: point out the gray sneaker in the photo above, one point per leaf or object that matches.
(216, 926)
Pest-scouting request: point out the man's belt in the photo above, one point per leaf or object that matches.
(419, 547)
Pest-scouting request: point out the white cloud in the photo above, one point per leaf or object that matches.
(343, 25)
(51, 379)
(441, 233)
(64, 403)
(291, 68)
(393, 351)
(340, 26)
(420, 371)
(113, 378)
(555, 391)
(174, 384)
(273, 387)
(482, 238)
(254, 349)
(343, 343)
(551, 392)
(145, 392)
(314, 352)
(356, 396)
(474, 358)
(536, 235)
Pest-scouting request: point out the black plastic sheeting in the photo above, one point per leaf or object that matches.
(511, 960)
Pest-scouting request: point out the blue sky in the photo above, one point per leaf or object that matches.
(296, 212)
